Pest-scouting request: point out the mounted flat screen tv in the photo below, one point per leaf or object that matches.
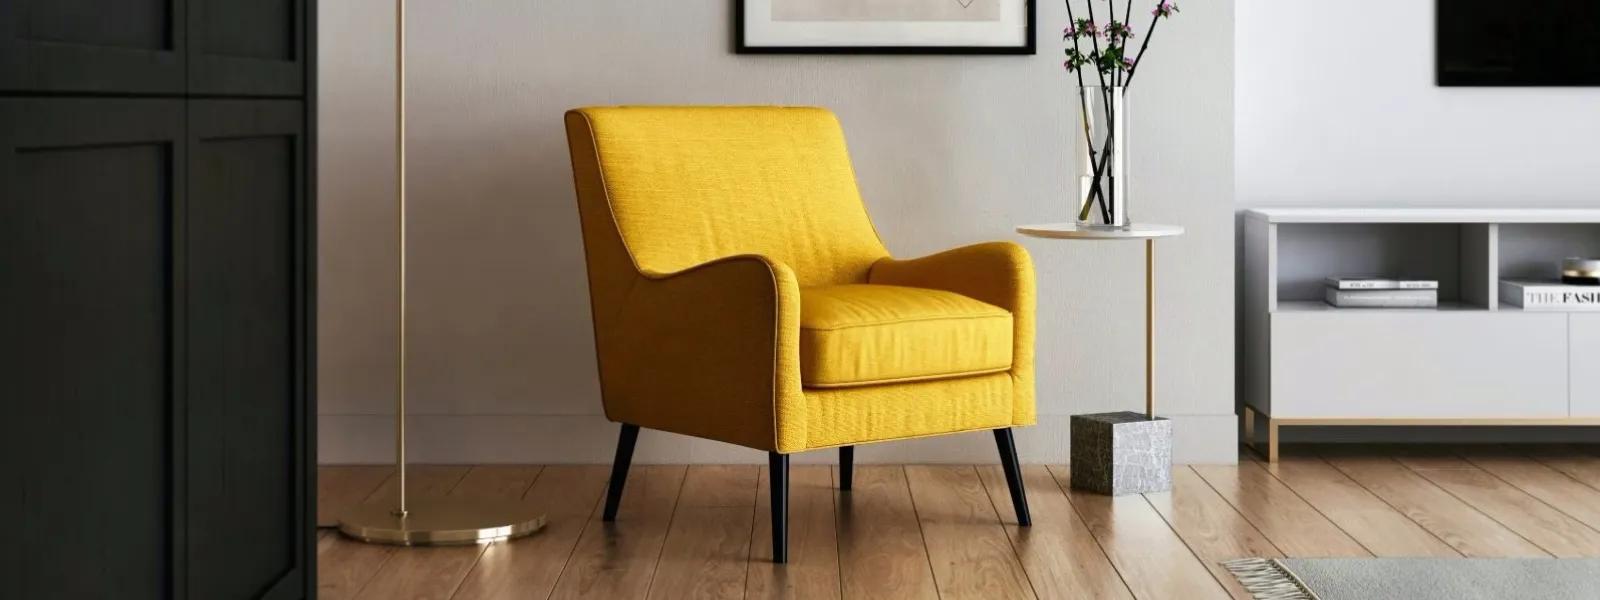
(1519, 43)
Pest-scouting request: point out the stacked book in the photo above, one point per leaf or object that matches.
(1366, 291)
(1549, 295)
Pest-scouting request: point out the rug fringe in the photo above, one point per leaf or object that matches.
(1267, 579)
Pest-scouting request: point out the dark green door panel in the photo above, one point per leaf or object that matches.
(247, 469)
(91, 200)
(93, 46)
(247, 47)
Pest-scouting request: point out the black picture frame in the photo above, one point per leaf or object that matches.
(1551, 43)
(1029, 48)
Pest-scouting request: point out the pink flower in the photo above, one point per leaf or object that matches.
(1165, 9)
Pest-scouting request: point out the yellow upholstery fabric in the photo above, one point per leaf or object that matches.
(701, 227)
(847, 416)
(688, 185)
(999, 273)
(859, 334)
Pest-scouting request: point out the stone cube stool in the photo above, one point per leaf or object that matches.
(1120, 453)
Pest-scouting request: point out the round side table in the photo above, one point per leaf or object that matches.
(1099, 462)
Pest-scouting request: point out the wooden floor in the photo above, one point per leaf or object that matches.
(949, 532)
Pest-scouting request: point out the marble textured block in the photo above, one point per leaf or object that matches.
(1121, 453)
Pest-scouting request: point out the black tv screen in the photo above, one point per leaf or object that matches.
(1520, 42)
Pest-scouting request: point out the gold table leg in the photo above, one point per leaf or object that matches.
(1150, 328)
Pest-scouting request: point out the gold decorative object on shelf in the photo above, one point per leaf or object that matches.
(436, 521)
(1580, 271)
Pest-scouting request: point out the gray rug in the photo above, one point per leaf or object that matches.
(1418, 578)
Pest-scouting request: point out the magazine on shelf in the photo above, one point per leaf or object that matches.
(1549, 295)
(1382, 298)
(1373, 282)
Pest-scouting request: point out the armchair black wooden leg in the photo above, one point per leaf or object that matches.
(619, 469)
(847, 466)
(1013, 469)
(779, 466)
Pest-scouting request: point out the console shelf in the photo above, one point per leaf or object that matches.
(1468, 362)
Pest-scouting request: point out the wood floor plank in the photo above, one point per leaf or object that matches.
(970, 553)
(422, 481)
(1362, 515)
(708, 546)
(813, 567)
(1151, 557)
(1214, 531)
(1549, 529)
(1458, 524)
(617, 560)
(342, 486)
(568, 495)
(433, 573)
(1555, 488)
(876, 542)
(1058, 553)
(346, 567)
(881, 552)
(1286, 519)
(501, 482)
(1580, 466)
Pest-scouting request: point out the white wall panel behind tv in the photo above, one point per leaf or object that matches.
(1322, 121)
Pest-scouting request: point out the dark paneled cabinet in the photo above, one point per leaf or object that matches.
(155, 47)
(91, 199)
(99, 46)
(247, 307)
(247, 47)
(156, 353)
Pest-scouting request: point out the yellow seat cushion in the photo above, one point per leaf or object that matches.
(858, 334)
(846, 416)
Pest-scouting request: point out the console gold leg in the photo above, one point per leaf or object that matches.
(1249, 426)
(1272, 440)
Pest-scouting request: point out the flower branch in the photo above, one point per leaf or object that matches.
(1112, 64)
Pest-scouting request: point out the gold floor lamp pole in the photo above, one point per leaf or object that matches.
(435, 521)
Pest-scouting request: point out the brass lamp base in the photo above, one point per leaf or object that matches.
(441, 522)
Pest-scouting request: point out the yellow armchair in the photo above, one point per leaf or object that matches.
(739, 293)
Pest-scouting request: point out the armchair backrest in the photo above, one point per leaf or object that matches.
(680, 186)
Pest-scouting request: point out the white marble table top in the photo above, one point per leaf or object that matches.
(1071, 231)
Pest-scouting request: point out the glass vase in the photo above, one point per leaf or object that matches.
(1102, 157)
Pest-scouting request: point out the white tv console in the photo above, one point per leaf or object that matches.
(1472, 361)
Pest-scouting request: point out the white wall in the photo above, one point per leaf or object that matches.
(1336, 105)
(949, 150)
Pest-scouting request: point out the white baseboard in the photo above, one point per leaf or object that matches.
(591, 439)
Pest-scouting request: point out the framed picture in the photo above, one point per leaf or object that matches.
(884, 27)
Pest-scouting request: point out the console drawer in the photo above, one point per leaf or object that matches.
(1585, 364)
(1420, 364)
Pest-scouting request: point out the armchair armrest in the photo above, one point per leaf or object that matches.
(999, 273)
(710, 351)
